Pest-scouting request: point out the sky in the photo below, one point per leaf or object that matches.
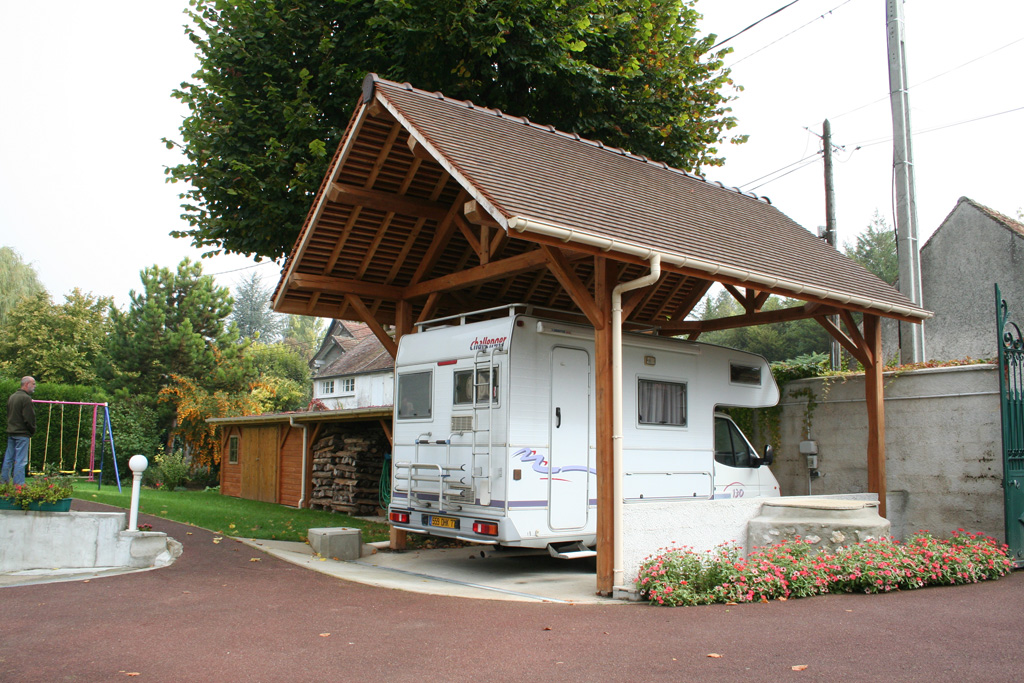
(83, 196)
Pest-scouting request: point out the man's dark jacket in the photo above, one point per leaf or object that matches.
(21, 416)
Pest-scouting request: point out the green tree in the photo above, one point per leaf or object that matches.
(18, 280)
(776, 342)
(279, 78)
(57, 343)
(251, 311)
(175, 326)
(283, 376)
(305, 333)
(875, 249)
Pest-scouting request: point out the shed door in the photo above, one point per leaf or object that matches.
(259, 464)
(569, 458)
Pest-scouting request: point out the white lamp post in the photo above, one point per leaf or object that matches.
(138, 465)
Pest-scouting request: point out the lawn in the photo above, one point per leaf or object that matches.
(230, 516)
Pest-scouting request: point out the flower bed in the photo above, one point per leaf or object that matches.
(683, 576)
(38, 492)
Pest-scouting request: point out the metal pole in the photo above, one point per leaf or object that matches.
(830, 224)
(912, 340)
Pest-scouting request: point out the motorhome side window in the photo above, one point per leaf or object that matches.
(414, 395)
(661, 403)
(464, 387)
(745, 374)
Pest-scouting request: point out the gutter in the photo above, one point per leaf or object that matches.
(567, 234)
(305, 457)
(649, 279)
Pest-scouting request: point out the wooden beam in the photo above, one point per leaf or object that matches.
(385, 424)
(418, 150)
(852, 329)
(876, 410)
(403, 319)
(337, 285)
(700, 288)
(860, 352)
(604, 281)
(475, 214)
(748, 319)
(429, 307)
(514, 265)
(474, 243)
(563, 272)
(364, 314)
(441, 236)
(352, 195)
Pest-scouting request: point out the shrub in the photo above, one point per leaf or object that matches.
(172, 469)
(793, 569)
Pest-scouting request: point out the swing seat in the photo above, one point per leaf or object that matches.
(86, 470)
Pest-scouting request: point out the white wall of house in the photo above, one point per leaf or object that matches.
(370, 390)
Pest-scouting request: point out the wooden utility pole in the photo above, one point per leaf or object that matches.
(912, 339)
(830, 222)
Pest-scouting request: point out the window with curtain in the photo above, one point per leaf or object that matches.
(661, 403)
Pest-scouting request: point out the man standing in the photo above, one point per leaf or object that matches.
(21, 424)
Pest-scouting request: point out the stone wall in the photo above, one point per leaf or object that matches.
(347, 463)
(942, 438)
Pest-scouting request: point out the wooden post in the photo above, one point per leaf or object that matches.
(603, 284)
(403, 326)
(876, 409)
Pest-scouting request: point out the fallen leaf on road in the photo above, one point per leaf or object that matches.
(217, 539)
(86, 581)
(715, 655)
(799, 667)
(254, 559)
(547, 628)
(132, 673)
(783, 599)
(324, 635)
(188, 533)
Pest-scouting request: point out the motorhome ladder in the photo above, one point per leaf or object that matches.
(483, 413)
(421, 481)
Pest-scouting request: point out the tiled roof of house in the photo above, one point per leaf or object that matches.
(367, 355)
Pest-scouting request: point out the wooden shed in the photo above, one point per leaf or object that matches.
(270, 457)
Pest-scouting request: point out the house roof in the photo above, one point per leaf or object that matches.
(366, 355)
(1004, 220)
(452, 206)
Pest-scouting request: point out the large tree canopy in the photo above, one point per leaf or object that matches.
(279, 78)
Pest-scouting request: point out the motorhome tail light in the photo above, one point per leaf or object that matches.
(399, 517)
(485, 528)
(447, 362)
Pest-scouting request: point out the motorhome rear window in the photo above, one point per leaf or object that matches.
(745, 374)
(661, 403)
(464, 387)
(413, 395)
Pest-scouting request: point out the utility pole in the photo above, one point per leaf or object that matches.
(830, 223)
(912, 339)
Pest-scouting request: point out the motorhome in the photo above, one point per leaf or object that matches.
(494, 429)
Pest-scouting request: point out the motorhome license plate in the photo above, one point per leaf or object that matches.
(445, 522)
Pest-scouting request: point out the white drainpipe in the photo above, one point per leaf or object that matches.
(305, 456)
(649, 279)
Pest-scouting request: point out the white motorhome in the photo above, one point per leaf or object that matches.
(494, 430)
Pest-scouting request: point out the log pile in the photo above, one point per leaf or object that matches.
(347, 464)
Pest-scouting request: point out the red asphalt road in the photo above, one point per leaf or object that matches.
(218, 615)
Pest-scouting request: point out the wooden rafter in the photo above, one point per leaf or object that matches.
(321, 283)
(378, 331)
(386, 201)
(440, 241)
(748, 319)
(560, 267)
(860, 351)
(513, 265)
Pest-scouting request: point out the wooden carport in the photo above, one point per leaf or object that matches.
(433, 206)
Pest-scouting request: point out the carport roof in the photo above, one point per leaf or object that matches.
(453, 207)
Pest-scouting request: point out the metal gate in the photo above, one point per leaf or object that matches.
(1011, 404)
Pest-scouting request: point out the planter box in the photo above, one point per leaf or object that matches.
(63, 505)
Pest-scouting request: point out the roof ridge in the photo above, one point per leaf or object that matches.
(408, 87)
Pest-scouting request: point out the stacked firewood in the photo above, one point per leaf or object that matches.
(347, 464)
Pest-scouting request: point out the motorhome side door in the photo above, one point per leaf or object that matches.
(569, 457)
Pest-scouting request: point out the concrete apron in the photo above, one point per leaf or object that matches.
(46, 546)
(469, 572)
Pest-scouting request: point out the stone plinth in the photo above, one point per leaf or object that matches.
(827, 524)
(337, 543)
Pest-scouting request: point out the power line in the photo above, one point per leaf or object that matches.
(927, 80)
(780, 169)
(785, 36)
(809, 163)
(879, 141)
(236, 270)
(723, 42)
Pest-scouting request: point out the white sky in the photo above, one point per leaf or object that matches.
(87, 100)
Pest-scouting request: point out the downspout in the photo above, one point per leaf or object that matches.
(649, 279)
(305, 457)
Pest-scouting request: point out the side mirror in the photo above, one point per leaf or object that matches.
(769, 455)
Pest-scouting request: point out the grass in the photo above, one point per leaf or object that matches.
(230, 516)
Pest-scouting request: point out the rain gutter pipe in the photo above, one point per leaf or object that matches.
(305, 457)
(649, 279)
(715, 270)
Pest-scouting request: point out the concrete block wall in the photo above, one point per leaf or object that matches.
(942, 438)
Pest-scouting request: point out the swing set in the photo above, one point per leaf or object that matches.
(65, 462)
